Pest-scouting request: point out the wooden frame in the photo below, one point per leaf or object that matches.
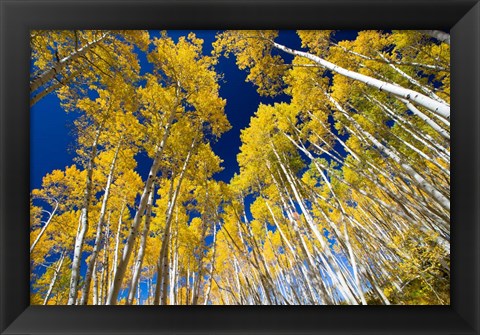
(18, 17)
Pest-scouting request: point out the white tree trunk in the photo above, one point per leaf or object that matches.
(45, 226)
(425, 118)
(415, 82)
(337, 275)
(416, 177)
(54, 279)
(95, 299)
(137, 268)
(93, 256)
(77, 255)
(60, 65)
(162, 276)
(127, 251)
(432, 105)
(117, 241)
(212, 268)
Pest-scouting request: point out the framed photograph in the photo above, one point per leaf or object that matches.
(240, 167)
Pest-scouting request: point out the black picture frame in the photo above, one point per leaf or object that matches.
(17, 17)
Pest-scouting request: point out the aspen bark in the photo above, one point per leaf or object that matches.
(415, 82)
(117, 240)
(163, 258)
(54, 279)
(45, 226)
(79, 240)
(212, 268)
(416, 177)
(430, 104)
(137, 269)
(98, 237)
(127, 251)
(60, 65)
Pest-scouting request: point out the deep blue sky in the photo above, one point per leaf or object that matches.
(52, 140)
(50, 126)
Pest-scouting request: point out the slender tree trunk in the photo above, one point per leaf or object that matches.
(137, 268)
(45, 226)
(187, 288)
(39, 96)
(430, 104)
(426, 140)
(212, 268)
(98, 236)
(191, 287)
(378, 289)
(415, 82)
(105, 264)
(64, 62)
(174, 272)
(317, 235)
(163, 258)
(172, 280)
(117, 240)
(392, 61)
(54, 279)
(127, 251)
(149, 290)
(138, 293)
(95, 299)
(416, 177)
(103, 283)
(346, 239)
(425, 118)
(79, 240)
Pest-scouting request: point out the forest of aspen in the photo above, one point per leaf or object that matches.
(343, 190)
